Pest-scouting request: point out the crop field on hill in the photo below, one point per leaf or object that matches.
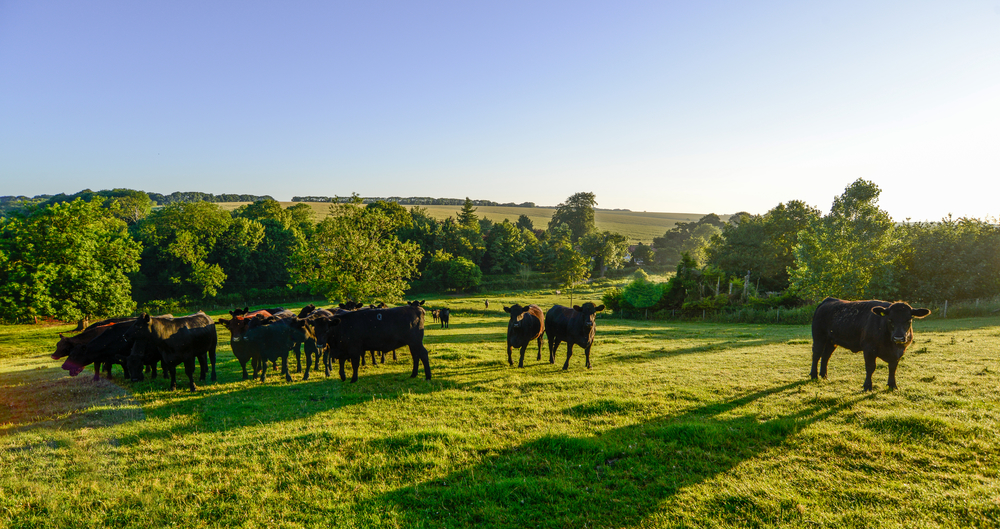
(676, 425)
(639, 226)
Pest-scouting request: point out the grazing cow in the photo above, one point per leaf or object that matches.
(487, 303)
(107, 349)
(66, 344)
(178, 340)
(309, 341)
(435, 314)
(575, 326)
(445, 316)
(879, 328)
(525, 325)
(349, 335)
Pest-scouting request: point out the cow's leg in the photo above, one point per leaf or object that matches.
(243, 365)
(97, 371)
(892, 373)
(419, 351)
(189, 371)
(284, 368)
(510, 353)
(827, 353)
(586, 351)
(309, 356)
(211, 360)
(553, 347)
(869, 369)
(539, 347)
(415, 356)
(298, 358)
(520, 362)
(569, 353)
(354, 366)
(383, 357)
(343, 375)
(202, 360)
(393, 355)
(373, 358)
(173, 376)
(263, 368)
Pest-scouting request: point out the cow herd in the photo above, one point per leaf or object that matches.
(349, 332)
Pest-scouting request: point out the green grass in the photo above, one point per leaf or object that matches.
(640, 226)
(677, 425)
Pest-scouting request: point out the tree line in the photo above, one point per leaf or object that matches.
(794, 255)
(101, 253)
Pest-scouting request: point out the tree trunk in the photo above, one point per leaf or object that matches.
(82, 324)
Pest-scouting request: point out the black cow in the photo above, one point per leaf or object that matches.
(349, 335)
(575, 326)
(107, 349)
(271, 339)
(525, 325)
(178, 340)
(445, 316)
(237, 327)
(879, 328)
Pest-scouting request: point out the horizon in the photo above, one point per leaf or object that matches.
(652, 106)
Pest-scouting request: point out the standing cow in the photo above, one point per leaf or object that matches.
(445, 316)
(178, 340)
(575, 326)
(349, 335)
(879, 328)
(525, 325)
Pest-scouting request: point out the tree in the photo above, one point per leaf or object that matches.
(524, 222)
(762, 244)
(642, 254)
(178, 241)
(642, 293)
(606, 249)
(464, 274)
(850, 253)
(355, 254)
(68, 260)
(131, 206)
(461, 241)
(577, 212)
(950, 260)
(687, 237)
(571, 268)
(467, 216)
(504, 248)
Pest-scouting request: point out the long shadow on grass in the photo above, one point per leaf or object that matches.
(721, 346)
(615, 479)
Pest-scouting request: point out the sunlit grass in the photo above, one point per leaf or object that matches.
(677, 424)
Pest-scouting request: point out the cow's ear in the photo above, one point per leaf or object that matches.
(507, 310)
(577, 308)
(599, 308)
(879, 311)
(422, 302)
(246, 310)
(222, 321)
(920, 313)
(144, 318)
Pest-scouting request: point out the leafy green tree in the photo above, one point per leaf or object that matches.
(851, 252)
(504, 248)
(178, 240)
(355, 254)
(130, 206)
(461, 241)
(687, 237)
(524, 222)
(641, 293)
(571, 268)
(69, 260)
(605, 248)
(467, 217)
(762, 244)
(398, 213)
(464, 274)
(577, 213)
(424, 231)
(954, 259)
(643, 254)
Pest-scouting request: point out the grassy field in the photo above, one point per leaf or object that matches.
(640, 226)
(676, 425)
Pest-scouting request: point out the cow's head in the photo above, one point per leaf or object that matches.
(74, 367)
(136, 361)
(589, 311)
(896, 321)
(140, 329)
(517, 313)
(63, 347)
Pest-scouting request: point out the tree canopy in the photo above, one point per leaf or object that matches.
(577, 213)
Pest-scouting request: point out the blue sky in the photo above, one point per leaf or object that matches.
(659, 106)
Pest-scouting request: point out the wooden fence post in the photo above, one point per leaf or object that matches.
(945, 308)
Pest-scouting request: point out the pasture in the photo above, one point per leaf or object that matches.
(676, 425)
(639, 226)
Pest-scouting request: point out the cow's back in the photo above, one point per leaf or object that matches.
(558, 320)
(848, 324)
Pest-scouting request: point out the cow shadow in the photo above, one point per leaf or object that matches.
(616, 478)
(714, 347)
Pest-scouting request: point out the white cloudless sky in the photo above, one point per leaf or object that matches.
(658, 106)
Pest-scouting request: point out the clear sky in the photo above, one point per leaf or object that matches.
(660, 106)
